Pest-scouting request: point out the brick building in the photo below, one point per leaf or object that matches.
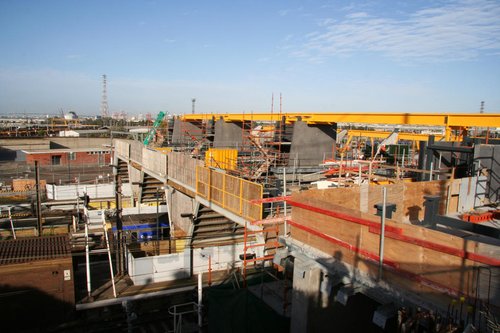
(65, 156)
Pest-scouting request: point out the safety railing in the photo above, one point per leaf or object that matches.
(232, 193)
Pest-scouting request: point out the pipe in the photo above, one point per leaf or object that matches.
(109, 254)
(209, 270)
(200, 299)
(87, 257)
(12, 224)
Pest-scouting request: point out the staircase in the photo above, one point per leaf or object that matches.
(150, 188)
(212, 228)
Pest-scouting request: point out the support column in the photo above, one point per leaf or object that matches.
(311, 142)
(306, 284)
(184, 130)
(228, 135)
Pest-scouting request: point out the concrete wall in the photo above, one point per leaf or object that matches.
(227, 135)
(174, 266)
(180, 204)
(311, 142)
(179, 134)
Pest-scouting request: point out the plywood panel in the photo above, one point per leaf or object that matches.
(419, 267)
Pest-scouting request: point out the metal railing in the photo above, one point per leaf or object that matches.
(232, 193)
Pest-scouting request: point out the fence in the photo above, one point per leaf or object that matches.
(232, 193)
(94, 191)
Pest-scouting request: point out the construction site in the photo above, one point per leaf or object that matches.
(260, 222)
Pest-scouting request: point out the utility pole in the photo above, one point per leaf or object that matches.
(104, 99)
(119, 225)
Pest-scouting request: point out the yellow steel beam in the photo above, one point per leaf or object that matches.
(401, 135)
(454, 121)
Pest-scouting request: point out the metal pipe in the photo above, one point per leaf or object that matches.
(200, 299)
(12, 224)
(382, 233)
(359, 174)
(87, 257)
(109, 254)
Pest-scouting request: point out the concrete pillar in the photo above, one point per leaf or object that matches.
(310, 143)
(180, 204)
(228, 135)
(184, 131)
(306, 294)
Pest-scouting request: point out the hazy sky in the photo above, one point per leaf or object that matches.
(323, 56)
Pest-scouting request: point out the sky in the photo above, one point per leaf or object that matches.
(233, 56)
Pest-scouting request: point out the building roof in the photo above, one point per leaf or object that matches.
(21, 250)
(64, 150)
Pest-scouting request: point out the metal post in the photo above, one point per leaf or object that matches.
(38, 199)
(359, 174)
(119, 224)
(12, 224)
(200, 296)
(87, 257)
(382, 233)
(109, 254)
(285, 229)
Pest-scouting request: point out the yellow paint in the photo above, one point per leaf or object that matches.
(384, 134)
(180, 245)
(164, 150)
(228, 195)
(225, 159)
(448, 121)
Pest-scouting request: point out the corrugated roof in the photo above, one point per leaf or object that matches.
(21, 250)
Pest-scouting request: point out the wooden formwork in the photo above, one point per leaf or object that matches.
(408, 197)
(424, 261)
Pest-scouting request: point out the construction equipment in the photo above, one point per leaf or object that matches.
(152, 131)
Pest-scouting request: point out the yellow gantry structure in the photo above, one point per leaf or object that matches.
(450, 122)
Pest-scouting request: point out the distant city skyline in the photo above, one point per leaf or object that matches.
(232, 56)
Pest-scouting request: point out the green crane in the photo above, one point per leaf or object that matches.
(156, 124)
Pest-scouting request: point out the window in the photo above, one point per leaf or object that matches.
(56, 159)
(72, 156)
